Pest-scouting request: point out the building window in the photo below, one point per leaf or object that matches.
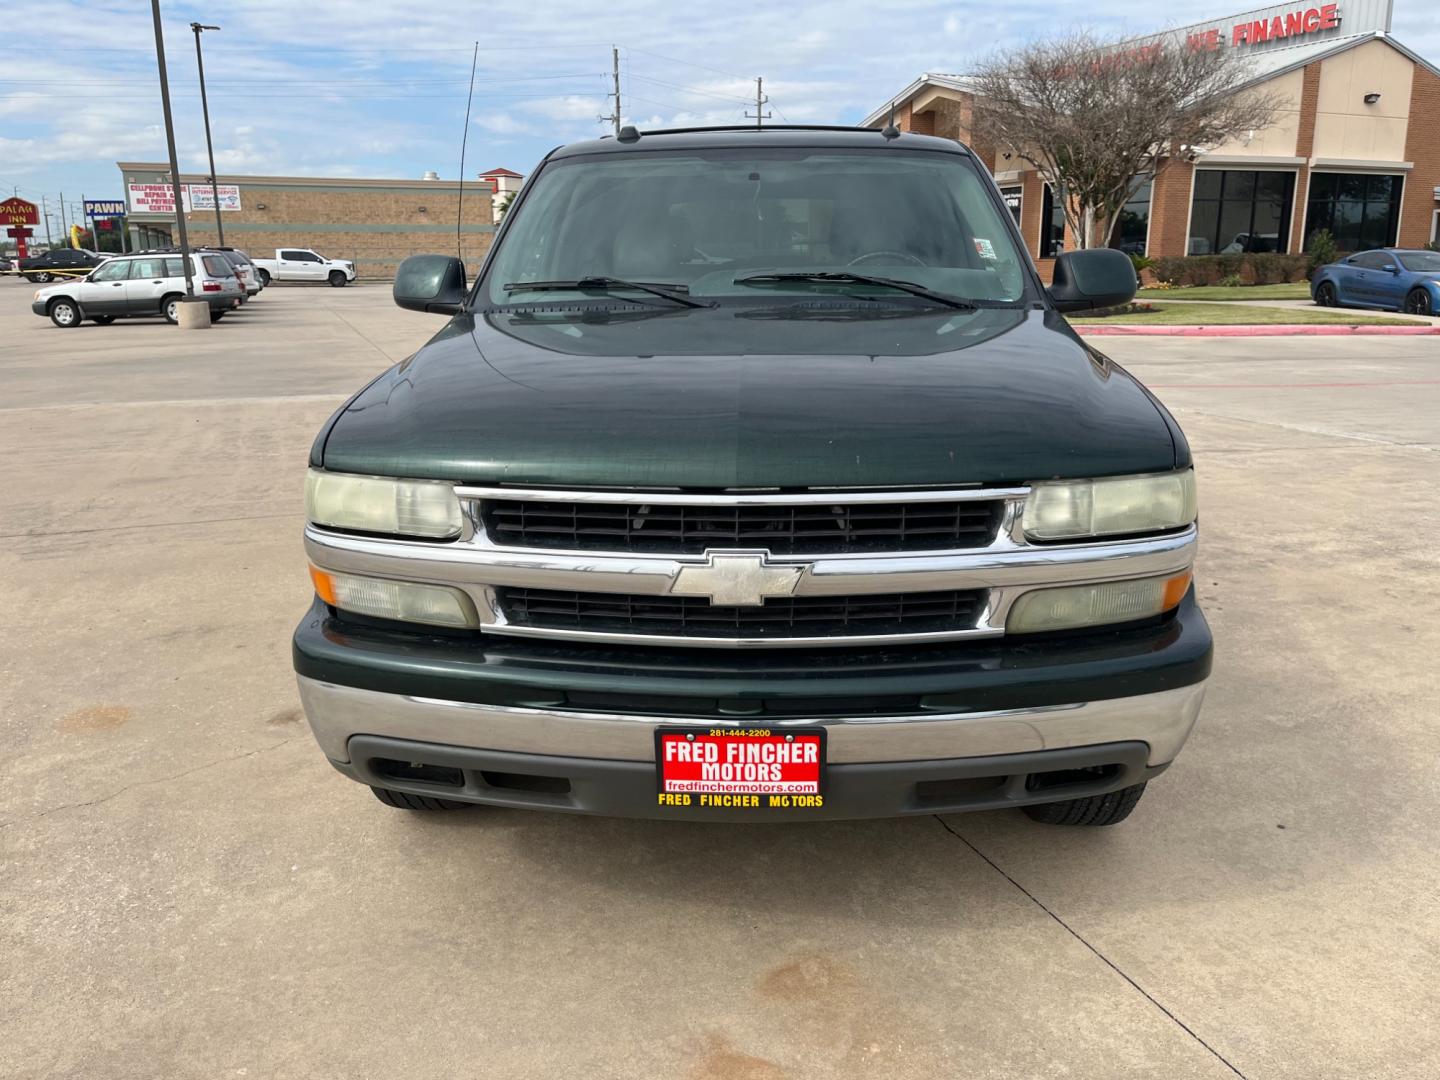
(1052, 225)
(1239, 210)
(1132, 226)
(1014, 198)
(1361, 210)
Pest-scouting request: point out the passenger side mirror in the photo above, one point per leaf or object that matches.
(1390, 268)
(433, 283)
(1094, 278)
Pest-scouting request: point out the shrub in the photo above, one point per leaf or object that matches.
(1322, 249)
(1141, 263)
(1231, 282)
(1252, 268)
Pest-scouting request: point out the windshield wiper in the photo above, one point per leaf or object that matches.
(857, 279)
(608, 284)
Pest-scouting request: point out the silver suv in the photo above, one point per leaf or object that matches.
(144, 283)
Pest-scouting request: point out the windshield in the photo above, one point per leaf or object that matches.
(1424, 262)
(700, 221)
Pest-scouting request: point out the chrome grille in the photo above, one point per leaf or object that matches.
(780, 618)
(807, 528)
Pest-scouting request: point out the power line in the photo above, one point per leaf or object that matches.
(686, 63)
(690, 89)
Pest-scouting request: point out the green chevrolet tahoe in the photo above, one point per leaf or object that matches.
(757, 476)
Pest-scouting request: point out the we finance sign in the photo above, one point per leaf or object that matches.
(1285, 24)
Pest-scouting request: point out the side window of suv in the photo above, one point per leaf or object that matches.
(216, 266)
(115, 270)
(150, 268)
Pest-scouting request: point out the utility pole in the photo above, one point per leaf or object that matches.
(760, 102)
(170, 141)
(64, 225)
(205, 109)
(45, 213)
(614, 117)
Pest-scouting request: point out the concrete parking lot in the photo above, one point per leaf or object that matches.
(188, 890)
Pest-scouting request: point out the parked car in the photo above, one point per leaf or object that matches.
(1396, 279)
(245, 269)
(302, 264)
(856, 528)
(145, 283)
(58, 263)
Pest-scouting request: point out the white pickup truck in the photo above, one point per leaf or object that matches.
(302, 264)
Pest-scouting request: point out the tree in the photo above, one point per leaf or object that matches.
(1097, 117)
(504, 207)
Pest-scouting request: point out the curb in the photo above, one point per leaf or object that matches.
(1274, 330)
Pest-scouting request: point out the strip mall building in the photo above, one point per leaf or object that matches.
(1356, 149)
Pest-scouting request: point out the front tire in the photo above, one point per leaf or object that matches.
(1418, 303)
(42, 277)
(264, 278)
(1325, 294)
(65, 313)
(170, 308)
(403, 800)
(338, 279)
(1095, 810)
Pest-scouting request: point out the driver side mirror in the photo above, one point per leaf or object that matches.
(1093, 278)
(432, 283)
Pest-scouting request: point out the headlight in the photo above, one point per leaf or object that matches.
(1096, 605)
(1068, 509)
(409, 601)
(378, 504)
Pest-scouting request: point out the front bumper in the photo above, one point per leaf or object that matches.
(340, 714)
(861, 790)
(929, 729)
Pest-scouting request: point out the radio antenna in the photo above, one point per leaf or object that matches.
(464, 138)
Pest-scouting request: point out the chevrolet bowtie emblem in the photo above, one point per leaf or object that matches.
(738, 579)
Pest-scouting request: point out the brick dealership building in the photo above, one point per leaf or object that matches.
(375, 223)
(1356, 150)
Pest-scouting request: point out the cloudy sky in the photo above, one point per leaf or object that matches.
(377, 87)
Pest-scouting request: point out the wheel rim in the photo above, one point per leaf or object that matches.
(64, 314)
(172, 311)
(1327, 295)
(1418, 304)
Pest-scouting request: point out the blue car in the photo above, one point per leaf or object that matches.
(1390, 278)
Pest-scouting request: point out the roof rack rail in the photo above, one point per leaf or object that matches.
(752, 127)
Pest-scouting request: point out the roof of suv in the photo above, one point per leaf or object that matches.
(788, 135)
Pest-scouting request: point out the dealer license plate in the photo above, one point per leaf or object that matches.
(741, 768)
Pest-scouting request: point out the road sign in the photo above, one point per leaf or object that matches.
(104, 208)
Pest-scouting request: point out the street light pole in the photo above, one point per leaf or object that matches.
(205, 109)
(170, 140)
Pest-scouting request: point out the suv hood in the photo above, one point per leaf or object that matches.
(632, 396)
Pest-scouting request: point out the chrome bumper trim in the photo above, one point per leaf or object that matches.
(1162, 721)
(1005, 569)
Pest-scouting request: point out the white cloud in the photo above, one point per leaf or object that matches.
(500, 124)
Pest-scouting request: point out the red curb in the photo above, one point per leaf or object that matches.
(1274, 330)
